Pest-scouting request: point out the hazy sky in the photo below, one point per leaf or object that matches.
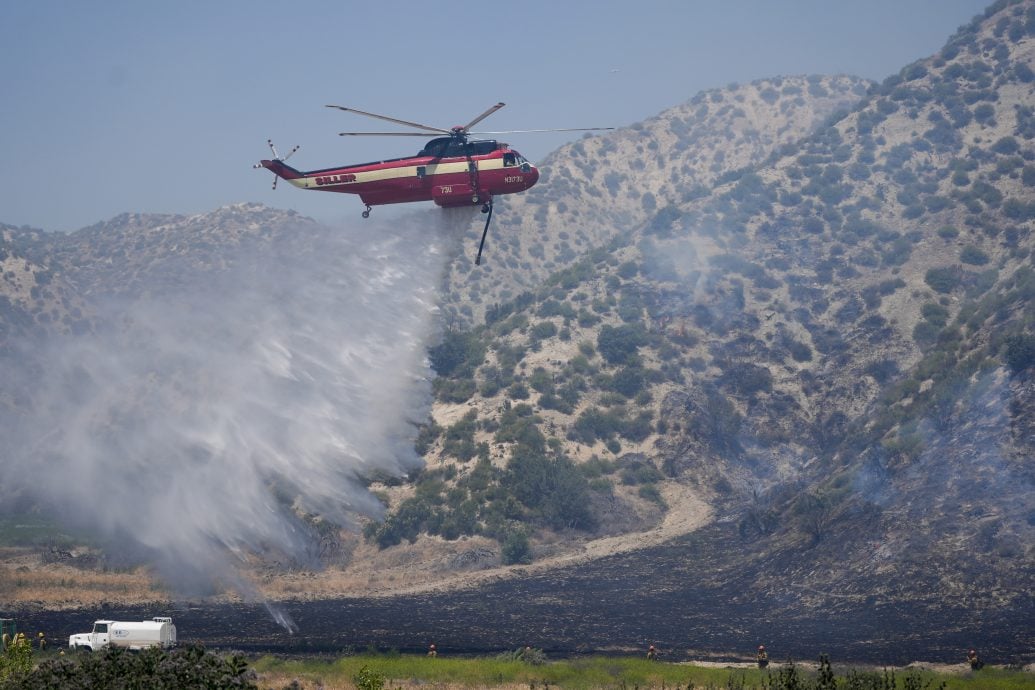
(164, 106)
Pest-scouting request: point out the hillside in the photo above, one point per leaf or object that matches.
(784, 333)
(598, 187)
(832, 349)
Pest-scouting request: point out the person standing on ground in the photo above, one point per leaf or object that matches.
(762, 657)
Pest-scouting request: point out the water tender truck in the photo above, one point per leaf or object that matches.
(157, 632)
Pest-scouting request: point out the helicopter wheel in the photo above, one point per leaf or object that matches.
(485, 208)
(366, 213)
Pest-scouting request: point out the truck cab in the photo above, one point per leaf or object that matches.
(96, 639)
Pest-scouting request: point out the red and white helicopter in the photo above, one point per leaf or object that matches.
(451, 170)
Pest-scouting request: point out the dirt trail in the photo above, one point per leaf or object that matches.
(687, 513)
(420, 568)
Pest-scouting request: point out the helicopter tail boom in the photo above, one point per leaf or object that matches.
(281, 169)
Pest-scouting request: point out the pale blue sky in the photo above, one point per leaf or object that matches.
(163, 107)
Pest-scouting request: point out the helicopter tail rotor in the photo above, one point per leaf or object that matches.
(277, 165)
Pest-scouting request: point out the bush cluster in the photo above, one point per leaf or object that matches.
(156, 669)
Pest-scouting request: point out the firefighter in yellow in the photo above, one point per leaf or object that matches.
(41, 640)
(974, 661)
(761, 657)
(652, 653)
(432, 652)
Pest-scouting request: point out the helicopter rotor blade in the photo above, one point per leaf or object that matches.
(384, 134)
(391, 119)
(565, 129)
(484, 115)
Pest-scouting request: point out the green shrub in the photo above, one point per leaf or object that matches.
(888, 287)
(618, 345)
(925, 332)
(883, 370)
(553, 488)
(985, 114)
(972, 255)
(541, 380)
(369, 679)
(744, 378)
(586, 318)
(593, 424)
(1006, 146)
(935, 313)
(454, 390)
(717, 423)
(897, 252)
(406, 522)
(543, 330)
(189, 667)
(651, 493)
(629, 381)
(1020, 351)
(519, 425)
(516, 548)
(15, 661)
(661, 224)
(640, 473)
(458, 439)
(458, 354)
(943, 280)
(518, 391)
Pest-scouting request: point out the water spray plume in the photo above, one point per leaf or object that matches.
(198, 423)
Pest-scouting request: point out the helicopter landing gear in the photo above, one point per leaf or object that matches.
(366, 213)
(487, 209)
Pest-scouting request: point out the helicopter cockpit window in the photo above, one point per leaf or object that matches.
(509, 160)
(481, 148)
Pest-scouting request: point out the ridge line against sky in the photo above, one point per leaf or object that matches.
(163, 107)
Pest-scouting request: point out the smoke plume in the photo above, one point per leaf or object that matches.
(199, 421)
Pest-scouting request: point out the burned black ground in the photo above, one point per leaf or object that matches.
(681, 596)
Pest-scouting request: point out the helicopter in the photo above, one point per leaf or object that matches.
(451, 170)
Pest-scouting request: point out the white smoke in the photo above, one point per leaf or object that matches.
(181, 425)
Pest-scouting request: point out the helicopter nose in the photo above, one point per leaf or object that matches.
(533, 176)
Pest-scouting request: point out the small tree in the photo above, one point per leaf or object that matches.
(515, 548)
(369, 679)
(16, 660)
(816, 511)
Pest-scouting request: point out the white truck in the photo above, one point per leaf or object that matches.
(157, 632)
